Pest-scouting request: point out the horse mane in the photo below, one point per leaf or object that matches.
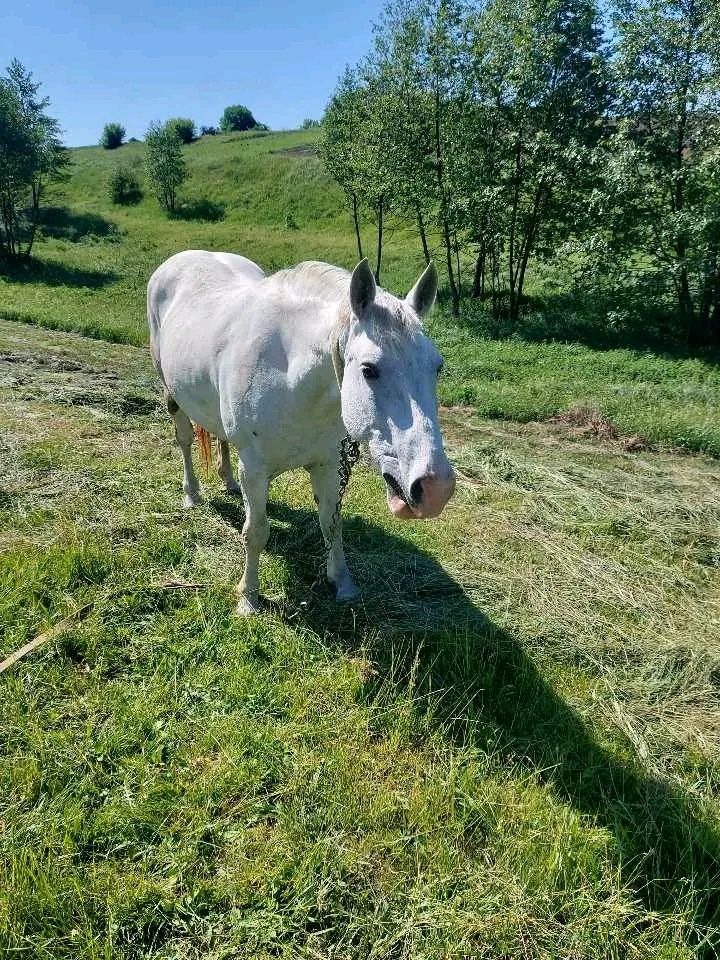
(315, 281)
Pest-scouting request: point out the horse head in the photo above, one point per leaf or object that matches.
(389, 370)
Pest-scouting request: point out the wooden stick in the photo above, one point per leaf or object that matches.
(44, 637)
(179, 585)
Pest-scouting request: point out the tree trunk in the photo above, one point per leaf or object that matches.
(709, 307)
(714, 320)
(36, 196)
(456, 245)
(379, 241)
(423, 235)
(685, 302)
(440, 172)
(357, 226)
(495, 279)
(512, 268)
(478, 287)
(451, 273)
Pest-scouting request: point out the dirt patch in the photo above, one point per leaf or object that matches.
(589, 422)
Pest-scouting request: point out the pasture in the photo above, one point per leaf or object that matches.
(509, 748)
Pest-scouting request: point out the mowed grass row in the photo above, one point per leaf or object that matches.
(269, 198)
(509, 748)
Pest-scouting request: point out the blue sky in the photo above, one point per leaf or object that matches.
(135, 62)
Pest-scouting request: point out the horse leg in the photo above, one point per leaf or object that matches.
(184, 435)
(224, 467)
(254, 485)
(326, 486)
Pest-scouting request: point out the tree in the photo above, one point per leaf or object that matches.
(237, 117)
(417, 64)
(112, 136)
(341, 141)
(124, 186)
(31, 155)
(662, 177)
(310, 124)
(184, 128)
(537, 100)
(164, 163)
(479, 123)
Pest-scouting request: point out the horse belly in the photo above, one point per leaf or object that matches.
(189, 373)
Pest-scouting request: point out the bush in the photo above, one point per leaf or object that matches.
(208, 131)
(203, 209)
(124, 186)
(237, 117)
(184, 128)
(309, 124)
(112, 136)
(165, 163)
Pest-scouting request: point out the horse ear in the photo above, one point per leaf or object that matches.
(422, 296)
(362, 288)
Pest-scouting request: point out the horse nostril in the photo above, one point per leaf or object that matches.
(416, 491)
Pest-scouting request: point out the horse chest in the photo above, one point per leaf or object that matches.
(287, 420)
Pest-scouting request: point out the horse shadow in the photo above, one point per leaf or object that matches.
(417, 622)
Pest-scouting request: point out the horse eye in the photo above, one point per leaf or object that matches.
(370, 371)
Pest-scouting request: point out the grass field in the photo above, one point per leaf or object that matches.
(279, 207)
(510, 748)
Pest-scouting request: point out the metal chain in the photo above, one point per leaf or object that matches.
(349, 454)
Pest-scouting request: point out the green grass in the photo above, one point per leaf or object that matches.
(509, 748)
(666, 399)
(278, 207)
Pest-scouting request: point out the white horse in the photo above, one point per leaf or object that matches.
(281, 367)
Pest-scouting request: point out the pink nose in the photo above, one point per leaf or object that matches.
(431, 493)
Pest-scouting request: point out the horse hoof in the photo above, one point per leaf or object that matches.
(347, 592)
(191, 500)
(247, 607)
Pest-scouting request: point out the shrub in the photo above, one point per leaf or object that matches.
(112, 136)
(164, 163)
(208, 131)
(124, 186)
(309, 124)
(203, 209)
(237, 117)
(184, 128)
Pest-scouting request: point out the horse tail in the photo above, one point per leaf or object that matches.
(204, 442)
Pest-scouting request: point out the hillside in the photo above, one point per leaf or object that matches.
(269, 198)
(263, 196)
(508, 748)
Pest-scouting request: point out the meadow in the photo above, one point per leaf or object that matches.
(509, 748)
(269, 198)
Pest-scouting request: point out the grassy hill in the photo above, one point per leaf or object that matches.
(509, 748)
(269, 198)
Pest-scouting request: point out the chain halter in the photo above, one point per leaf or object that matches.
(348, 456)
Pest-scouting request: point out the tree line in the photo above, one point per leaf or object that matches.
(32, 155)
(235, 118)
(515, 133)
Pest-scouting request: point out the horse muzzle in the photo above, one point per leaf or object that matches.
(426, 497)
